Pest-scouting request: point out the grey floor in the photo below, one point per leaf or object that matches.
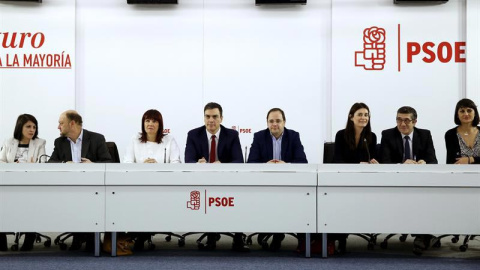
(167, 255)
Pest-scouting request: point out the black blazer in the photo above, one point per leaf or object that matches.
(262, 147)
(453, 146)
(93, 147)
(228, 151)
(422, 148)
(343, 153)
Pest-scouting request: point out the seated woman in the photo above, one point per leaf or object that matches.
(151, 146)
(463, 141)
(24, 147)
(356, 143)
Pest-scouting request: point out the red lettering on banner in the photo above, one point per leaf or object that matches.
(22, 39)
(42, 40)
(444, 51)
(14, 62)
(36, 41)
(166, 131)
(413, 48)
(426, 48)
(440, 52)
(245, 130)
(460, 50)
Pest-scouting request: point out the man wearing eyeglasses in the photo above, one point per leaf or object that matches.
(409, 145)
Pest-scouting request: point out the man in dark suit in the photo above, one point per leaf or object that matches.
(409, 145)
(213, 143)
(276, 144)
(420, 148)
(78, 145)
(289, 148)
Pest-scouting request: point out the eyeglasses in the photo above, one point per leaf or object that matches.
(405, 120)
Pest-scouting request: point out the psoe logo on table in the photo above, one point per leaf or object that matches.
(211, 201)
(372, 57)
(194, 202)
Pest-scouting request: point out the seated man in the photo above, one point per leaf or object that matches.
(406, 143)
(276, 144)
(213, 143)
(409, 145)
(78, 145)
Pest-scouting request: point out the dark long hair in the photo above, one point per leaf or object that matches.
(22, 120)
(350, 128)
(466, 103)
(152, 115)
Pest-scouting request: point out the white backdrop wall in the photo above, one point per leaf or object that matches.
(42, 92)
(130, 58)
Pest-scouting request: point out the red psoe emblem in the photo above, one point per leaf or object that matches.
(194, 202)
(373, 55)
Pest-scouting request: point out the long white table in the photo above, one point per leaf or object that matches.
(300, 198)
(52, 198)
(410, 199)
(211, 198)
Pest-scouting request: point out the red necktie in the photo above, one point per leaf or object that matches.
(213, 150)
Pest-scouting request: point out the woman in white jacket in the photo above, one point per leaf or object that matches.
(24, 147)
(151, 145)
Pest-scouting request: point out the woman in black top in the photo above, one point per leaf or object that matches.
(463, 141)
(356, 143)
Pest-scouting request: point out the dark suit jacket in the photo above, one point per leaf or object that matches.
(422, 148)
(262, 147)
(228, 151)
(93, 147)
(453, 146)
(343, 153)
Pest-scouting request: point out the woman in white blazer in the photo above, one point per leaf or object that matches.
(25, 146)
(151, 145)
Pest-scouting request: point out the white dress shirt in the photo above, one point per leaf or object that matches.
(76, 148)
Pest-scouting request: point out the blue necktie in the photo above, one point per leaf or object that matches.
(408, 155)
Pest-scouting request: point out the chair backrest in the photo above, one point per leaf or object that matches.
(328, 152)
(378, 149)
(112, 148)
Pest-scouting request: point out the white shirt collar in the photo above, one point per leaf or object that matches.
(209, 135)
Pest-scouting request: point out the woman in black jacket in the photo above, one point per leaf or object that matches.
(356, 143)
(463, 141)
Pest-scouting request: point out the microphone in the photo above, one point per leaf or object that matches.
(245, 161)
(366, 146)
(165, 156)
(39, 159)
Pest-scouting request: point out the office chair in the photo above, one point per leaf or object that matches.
(38, 239)
(262, 239)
